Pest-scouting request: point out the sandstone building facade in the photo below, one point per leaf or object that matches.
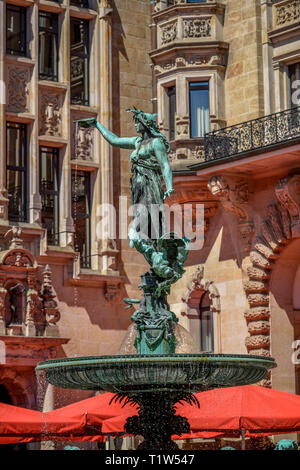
(222, 76)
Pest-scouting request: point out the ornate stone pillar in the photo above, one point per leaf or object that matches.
(50, 308)
(3, 192)
(66, 220)
(107, 248)
(35, 204)
(32, 299)
(3, 292)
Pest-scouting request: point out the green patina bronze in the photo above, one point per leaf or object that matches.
(165, 252)
(156, 378)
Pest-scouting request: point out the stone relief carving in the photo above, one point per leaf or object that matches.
(182, 127)
(199, 283)
(40, 309)
(18, 89)
(193, 60)
(84, 144)
(197, 152)
(169, 32)
(288, 193)
(287, 13)
(234, 197)
(50, 114)
(196, 27)
(50, 308)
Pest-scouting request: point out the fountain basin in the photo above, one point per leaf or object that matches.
(130, 374)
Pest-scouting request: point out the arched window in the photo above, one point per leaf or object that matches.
(206, 324)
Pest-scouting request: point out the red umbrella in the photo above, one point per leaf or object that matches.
(22, 423)
(93, 410)
(252, 408)
(257, 409)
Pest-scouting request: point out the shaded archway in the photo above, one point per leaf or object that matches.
(284, 316)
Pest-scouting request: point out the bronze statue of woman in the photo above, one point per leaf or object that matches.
(165, 252)
(150, 167)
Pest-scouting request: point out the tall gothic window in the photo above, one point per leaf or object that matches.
(79, 61)
(16, 30)
(81, 213)
(48, 46)
(49, 190)
(16, 171)
(199, 109)
(206, 325)
(171, 93)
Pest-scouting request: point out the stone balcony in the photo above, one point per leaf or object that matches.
(189, 23)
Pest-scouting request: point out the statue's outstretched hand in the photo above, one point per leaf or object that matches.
(90, 122)
(168, 193)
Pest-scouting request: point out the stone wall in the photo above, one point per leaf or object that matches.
(244, 73)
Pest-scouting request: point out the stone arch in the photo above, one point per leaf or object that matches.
(196, 288)
(17, 257)
(21, 387)
(273, 235)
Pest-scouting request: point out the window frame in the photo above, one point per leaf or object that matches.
(86, 62)
(23, 217)
(55, 166)
(54, 37)
(22, 51)
(203, 310)
(85, 255)
(197, 87)
(171, 92)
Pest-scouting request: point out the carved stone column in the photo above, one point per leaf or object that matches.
(50, 308)
(107, 248)
(3, 292)
(32, 299)
(3, 192)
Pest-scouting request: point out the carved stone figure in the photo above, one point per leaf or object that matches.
(165, 252)
(288, 193)
(50, 114)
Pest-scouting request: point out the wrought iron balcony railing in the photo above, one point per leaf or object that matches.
(253, 135)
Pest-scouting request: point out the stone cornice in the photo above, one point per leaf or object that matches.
(200, 8)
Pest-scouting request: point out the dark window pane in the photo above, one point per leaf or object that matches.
(16, 30)
(79, 61)
(49, 190)
(172, 112)
(81, 213)
(16, 171)
(206, 325)
(80, 3)
(199, 109)
(48, 46)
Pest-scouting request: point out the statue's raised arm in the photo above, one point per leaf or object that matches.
(121, 142)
